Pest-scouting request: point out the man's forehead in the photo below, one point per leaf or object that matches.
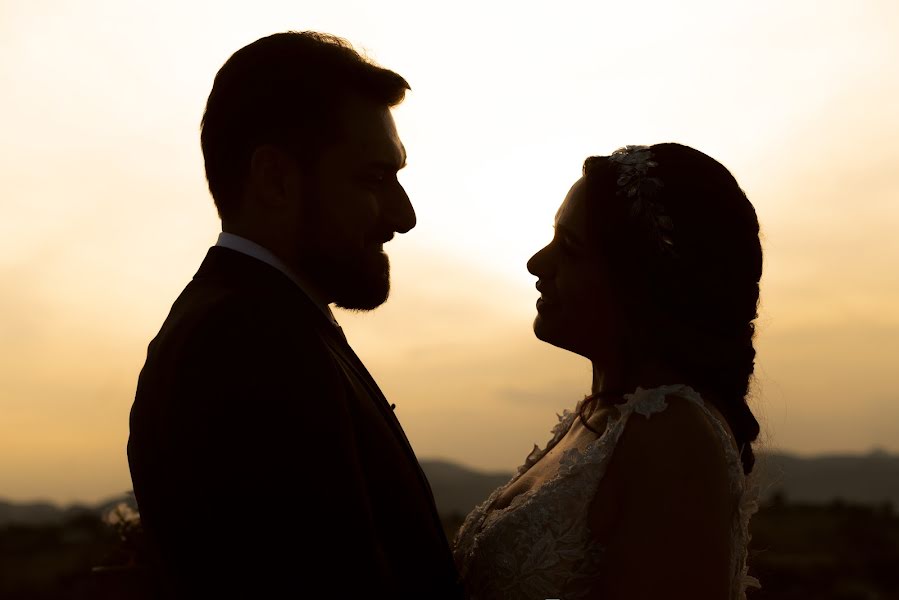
(370, 135)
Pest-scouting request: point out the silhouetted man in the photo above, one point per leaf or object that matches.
(265, 460)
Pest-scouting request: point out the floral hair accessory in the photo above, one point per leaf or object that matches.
(632, 164)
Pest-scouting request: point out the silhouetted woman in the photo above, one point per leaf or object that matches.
(644, 489)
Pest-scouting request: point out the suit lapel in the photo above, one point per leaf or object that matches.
(346, 355)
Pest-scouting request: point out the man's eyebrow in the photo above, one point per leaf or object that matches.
(389, 165)
(382, 166)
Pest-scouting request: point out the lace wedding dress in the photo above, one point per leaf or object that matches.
(540, 545)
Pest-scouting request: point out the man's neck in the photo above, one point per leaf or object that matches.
(260, 251)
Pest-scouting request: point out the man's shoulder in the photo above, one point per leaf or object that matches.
(234, 345)
(207, 317)
(231, 282)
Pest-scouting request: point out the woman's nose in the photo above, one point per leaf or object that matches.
(536, 264)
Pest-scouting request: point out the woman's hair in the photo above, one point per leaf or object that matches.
(680, 241)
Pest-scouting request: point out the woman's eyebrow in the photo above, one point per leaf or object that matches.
(568, 233)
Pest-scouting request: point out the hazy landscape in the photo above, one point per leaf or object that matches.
(827, 529)
(870, 479)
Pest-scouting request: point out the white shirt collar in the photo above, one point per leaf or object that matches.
(251, 248)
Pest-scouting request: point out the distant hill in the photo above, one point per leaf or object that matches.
(861, 479)
(458, 489)
(46, 513)
(864, 479)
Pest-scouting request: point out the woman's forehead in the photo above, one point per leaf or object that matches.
(571, 213)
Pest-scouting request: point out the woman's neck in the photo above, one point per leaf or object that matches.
(617, 378)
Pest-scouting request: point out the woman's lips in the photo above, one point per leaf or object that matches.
(542, 302)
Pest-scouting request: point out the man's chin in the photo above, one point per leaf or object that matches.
(365, 288)
(364, 300)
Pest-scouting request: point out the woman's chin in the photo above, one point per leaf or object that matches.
(552, 336)
(541, 329)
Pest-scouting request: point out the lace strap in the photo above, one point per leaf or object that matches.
(655, 400)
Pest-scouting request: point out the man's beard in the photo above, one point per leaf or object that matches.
(357, 282)
(365, 282)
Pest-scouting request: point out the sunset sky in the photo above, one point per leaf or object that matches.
(106, 214)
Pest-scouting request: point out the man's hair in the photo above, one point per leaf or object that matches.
(287, 90)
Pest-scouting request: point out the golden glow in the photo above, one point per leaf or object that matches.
(106, 214)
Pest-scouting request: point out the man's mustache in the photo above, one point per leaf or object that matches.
(381, 237)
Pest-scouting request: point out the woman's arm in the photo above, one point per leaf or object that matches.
(664, 509)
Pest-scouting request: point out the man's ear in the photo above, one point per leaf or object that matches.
(274, 176)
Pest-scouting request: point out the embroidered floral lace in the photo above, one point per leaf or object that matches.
(540, 545)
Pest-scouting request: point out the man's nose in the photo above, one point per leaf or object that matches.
(400, 213)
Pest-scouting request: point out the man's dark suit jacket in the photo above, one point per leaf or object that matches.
(265, 460)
